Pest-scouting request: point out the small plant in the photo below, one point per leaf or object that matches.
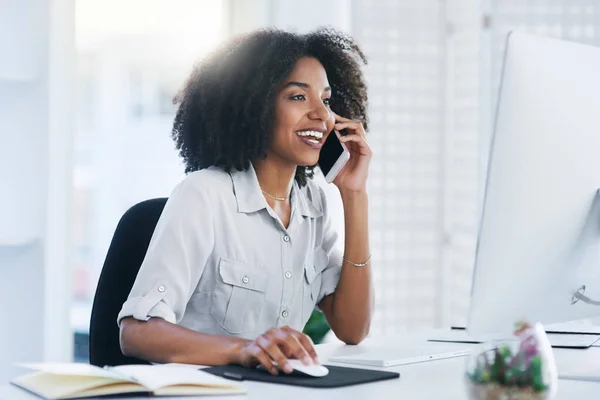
(510, 369)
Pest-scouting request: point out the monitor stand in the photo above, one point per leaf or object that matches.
(585, 252)
(588, 244)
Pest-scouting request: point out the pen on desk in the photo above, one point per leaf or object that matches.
(231, 375)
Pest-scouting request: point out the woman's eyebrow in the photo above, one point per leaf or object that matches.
(303, 85)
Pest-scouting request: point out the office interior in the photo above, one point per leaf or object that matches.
(86, 89)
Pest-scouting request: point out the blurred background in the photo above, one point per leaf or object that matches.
(86, 90)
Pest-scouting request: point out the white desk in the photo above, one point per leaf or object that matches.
(442, 379)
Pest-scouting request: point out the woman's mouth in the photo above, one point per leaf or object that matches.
(311, 138)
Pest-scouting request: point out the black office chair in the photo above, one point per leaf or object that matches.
(123, 260)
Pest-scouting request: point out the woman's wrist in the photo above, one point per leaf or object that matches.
(349, 195)
(234, 350)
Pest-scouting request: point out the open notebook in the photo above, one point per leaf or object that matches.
(75, 380)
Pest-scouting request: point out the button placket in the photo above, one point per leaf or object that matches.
(287, 256)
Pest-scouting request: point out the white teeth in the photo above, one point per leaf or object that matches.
(312, 141)
(315, 134)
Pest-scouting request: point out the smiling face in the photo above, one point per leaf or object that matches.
(303, 118)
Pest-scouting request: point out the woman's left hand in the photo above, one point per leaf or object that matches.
(353, 177)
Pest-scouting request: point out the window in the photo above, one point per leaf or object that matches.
(434, 70)
(132, 57)
(403, 41)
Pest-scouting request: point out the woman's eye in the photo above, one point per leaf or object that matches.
(327, 101)
(298, 97)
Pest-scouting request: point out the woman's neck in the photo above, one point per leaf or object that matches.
(275, 178)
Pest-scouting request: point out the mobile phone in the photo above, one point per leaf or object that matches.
(333, 156)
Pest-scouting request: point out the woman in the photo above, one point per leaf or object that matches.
(244, 249)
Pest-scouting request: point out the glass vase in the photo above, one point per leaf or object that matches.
(521, 367)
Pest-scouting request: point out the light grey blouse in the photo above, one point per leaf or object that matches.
(221, 262)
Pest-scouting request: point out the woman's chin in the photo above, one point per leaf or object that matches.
(308, 162)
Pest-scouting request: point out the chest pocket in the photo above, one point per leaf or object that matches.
(316, 262)
(238, 296)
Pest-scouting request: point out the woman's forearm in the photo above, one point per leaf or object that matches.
(160, 341)
(352, 304)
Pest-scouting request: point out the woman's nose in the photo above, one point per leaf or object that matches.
(320, 112)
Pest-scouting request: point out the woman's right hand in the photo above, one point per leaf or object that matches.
(279, 345)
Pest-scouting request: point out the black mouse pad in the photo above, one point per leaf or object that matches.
(337, 377)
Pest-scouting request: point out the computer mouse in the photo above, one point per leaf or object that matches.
(313, 370)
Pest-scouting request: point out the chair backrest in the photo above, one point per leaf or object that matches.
(123, 260)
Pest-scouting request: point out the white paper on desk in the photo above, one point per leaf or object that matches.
(461, 336)
(566, 340)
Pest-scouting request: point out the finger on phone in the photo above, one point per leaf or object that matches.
(352, 138)
(340, 118)
(343, 125)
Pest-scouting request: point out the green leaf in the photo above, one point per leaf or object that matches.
(536, 375)
(498, 368)
(505, 353)
(316, 327)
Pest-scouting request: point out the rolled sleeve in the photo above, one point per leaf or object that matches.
(177, 254)
(149, 306)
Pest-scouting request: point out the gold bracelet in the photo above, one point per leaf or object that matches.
(359, 264)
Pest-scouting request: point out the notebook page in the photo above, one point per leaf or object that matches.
(158, 376)
(52, 386)
(75, 369)
(183, 390)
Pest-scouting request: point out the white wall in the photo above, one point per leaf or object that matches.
(307, 15)
(36, 48)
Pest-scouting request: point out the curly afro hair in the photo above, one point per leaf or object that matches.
(226, 107)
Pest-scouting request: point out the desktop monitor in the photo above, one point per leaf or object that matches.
(537, 254)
